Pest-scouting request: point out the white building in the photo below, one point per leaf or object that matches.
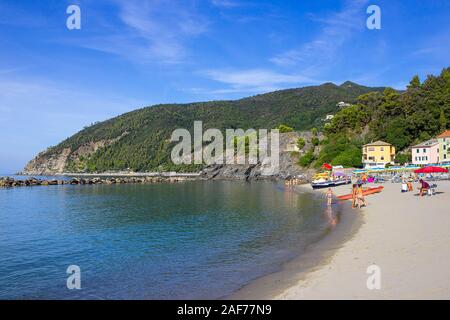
(343, 104)
(425, 153)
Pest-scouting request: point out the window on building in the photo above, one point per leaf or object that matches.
(424, 150)
(418, 150)
(371, 149)
(382, 158)
(382, 148)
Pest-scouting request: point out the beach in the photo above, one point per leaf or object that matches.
(406, 236)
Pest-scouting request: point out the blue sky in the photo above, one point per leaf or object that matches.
(133, 53)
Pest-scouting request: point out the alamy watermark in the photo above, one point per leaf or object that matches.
(73, 22)
(241, 147)
(373, 22)
(374, 280)
(74, 279)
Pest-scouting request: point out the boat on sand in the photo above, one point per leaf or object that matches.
(366, 192)
(326, 180)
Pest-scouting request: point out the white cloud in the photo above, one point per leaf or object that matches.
(34, 98)
(225, 3)
(337, 29)
(254, 80)
(153, 31)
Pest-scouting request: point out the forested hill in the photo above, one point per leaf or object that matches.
(400, 118)
(138, 140)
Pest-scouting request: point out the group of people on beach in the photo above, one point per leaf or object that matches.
(424, 187)
(291, 181)
(358, 200)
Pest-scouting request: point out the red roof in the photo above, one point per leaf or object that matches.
(445, 134)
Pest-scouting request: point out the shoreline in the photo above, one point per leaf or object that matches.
(112, 174)
(406, 236)
(312, 258)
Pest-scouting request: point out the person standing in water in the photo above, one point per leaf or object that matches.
(329, 196)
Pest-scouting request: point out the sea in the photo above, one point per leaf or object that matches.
(189, 240)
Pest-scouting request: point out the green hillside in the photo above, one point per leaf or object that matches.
(145, 145)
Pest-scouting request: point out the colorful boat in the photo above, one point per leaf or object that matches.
(366, 192)
(325, 180)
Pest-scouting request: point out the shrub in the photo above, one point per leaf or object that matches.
(306, 159)
(403, 158)
(351, 157)
(315, 141)
(301, 143)
(284, 128)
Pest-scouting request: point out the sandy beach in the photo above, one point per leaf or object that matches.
(406, 236)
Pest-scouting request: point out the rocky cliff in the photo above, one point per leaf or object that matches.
(50, 162)
(71, 161)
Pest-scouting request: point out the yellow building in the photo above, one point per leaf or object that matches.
(378, 154)
(444, 146)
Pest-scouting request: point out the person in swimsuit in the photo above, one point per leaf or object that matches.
(360, 197)
(329, 196)
(354, 196)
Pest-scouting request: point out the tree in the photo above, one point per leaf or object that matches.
(397, 134)
(443, 120)
(314, 132)
(284, 128)
(352, 157)
(414, 83)
(403, 158)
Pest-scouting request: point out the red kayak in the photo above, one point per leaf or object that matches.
(366, 192)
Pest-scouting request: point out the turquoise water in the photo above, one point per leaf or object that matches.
(190, 240)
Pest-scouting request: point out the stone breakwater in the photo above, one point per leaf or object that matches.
(7, 182)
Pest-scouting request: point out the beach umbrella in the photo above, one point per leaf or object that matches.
(327, 166)
(431, 169)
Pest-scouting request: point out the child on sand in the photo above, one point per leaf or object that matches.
(329, 196)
